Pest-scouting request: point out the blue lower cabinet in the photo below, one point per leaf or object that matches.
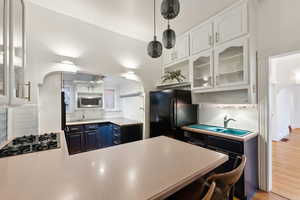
(81, 138)
(104, 135)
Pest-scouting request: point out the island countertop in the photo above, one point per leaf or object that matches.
(147, 169)
(117, 121)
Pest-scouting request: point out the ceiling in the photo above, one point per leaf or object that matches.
(134, 18)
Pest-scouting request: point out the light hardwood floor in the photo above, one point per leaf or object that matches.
(286, 167)
(267, 196)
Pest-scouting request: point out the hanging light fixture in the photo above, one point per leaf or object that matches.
(170, 9)
(169, 38)
(154, 47)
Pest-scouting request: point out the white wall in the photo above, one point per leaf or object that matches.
(97, 50)
(284, 95)
(132, 107)
(50, 103)
(284, 112)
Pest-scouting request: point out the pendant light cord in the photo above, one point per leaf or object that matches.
(154, 20)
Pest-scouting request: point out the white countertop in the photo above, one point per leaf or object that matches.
(224, 135)
(147, 169)
(117, 121)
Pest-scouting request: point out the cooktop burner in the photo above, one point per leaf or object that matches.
(30, 144)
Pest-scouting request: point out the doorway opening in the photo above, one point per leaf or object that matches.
(284, 124)
(87, 97)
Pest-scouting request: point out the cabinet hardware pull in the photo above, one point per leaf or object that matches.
(28, 90)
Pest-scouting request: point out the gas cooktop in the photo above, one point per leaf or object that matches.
(30, 144)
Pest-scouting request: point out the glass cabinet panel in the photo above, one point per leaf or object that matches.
(2, 66)
(230, 64)
(18, 48)
(202, 71)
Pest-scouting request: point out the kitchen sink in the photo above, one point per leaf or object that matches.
(230, 131)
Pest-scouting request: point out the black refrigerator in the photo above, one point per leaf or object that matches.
(170, 110)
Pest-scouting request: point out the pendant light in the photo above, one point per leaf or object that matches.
(154, 47)
(169, 38)
(170, 9)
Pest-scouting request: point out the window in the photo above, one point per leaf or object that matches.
(110, 99)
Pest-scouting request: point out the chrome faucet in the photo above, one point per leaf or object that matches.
(227, 120)
(82, 117)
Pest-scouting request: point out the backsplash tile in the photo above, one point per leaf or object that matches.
(246, 116)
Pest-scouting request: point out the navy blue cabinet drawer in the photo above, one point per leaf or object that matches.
(116, 142)
(225, 144)
(116, 128)
(91, 127)
(74, 129)
(116, 135)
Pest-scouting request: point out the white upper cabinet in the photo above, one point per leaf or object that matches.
(182, 49)
(202, 70)
(167, 56)
(201, 38)
(179, 52)
(19, 91)
(231, 24)
(231, 63)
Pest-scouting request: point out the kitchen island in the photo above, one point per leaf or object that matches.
(148, 169)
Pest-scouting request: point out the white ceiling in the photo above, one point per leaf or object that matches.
(134, 18)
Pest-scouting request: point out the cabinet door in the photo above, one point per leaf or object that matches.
(105, 135)
(167, 56)
(19, 91)
(91, 140)
(202, 70)
(182, 49)
(76, 143)
(231, 63)
(231, 24)
(201, 38)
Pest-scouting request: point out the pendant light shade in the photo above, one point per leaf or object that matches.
(169, 38)
(170, 9)
(154, 48)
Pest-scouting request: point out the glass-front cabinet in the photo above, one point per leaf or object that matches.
(19, 90)
(231, 63)
(202, 70)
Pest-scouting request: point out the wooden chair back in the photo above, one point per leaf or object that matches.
(210, 192)
(225, 181)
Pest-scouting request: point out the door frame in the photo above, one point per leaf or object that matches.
(265, 137)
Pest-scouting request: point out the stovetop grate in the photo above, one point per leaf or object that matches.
(31, 144)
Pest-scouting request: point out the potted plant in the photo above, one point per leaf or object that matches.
(173, 76)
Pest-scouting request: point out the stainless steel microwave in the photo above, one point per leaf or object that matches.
(90, 101)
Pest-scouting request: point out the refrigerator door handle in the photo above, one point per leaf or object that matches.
(172, 107)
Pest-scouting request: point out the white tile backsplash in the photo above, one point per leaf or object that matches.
(246, 116)
(92, 114)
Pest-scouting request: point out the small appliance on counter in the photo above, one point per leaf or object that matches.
(31, 144)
